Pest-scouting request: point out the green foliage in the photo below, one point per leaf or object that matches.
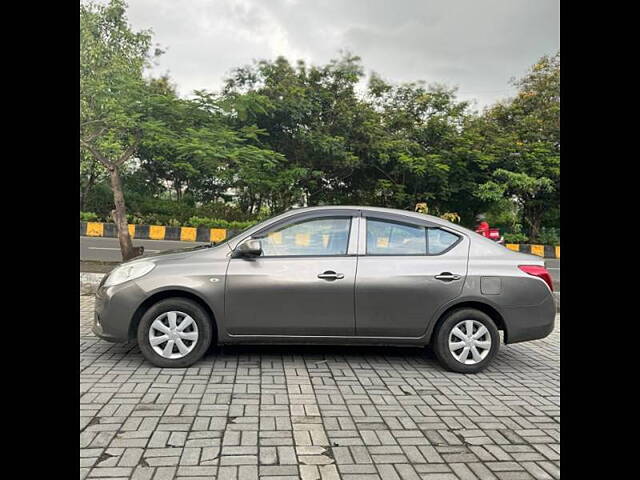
(549, 236)
(522, 137)
(88, 217)
(153, 219)
(218, 223)
(114, 97)
(515, 238)
(280, 135)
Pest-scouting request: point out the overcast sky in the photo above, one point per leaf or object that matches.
(476, 45)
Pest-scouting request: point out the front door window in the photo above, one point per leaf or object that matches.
(317, 237)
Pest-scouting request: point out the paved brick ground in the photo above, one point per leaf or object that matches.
(317, 413)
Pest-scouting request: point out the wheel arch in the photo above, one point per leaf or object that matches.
(482, 306)
(171, 293)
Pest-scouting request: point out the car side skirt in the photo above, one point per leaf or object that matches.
(320, 340)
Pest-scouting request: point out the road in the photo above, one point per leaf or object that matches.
(553, 265)
(108, 250)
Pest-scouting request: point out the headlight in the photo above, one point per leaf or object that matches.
(128, 272)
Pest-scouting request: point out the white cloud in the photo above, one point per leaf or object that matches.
(475, 45)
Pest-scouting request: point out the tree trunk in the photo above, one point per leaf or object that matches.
(533, 217)
(120, 217)
(177, 184)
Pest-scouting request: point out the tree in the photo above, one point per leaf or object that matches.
(201, 155)
(113, 96)
(308, 114)
(282, 134)
(411, 154)
(524, 142)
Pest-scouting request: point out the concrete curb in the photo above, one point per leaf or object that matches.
(545, 251)
(156, 232)
(89, 284)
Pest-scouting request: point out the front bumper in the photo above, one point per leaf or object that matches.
(531, 322)
(114, 310)
(98, 331)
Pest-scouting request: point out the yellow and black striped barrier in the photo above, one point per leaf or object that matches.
(545, 251)
(155, 232)
(205, 234)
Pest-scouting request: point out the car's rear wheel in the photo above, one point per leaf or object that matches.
(175, 332)
(466, 341)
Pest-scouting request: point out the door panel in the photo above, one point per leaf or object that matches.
(303, 284)
(284, 296)
(396, 295)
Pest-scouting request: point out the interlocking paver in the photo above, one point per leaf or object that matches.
(319, 413)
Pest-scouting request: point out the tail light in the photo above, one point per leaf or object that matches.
(538, 271)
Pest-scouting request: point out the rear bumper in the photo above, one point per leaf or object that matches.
(531, 322)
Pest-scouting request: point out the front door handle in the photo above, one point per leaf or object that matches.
(447, 277)
(330, 275)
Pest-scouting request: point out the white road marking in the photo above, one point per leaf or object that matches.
(109, 248)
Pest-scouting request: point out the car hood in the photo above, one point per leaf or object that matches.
(179, 254)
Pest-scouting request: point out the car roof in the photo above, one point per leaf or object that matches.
(394, 211)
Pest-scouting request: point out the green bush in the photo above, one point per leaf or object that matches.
(218, 223)
(159, 219)
(88, 217)
(157, 211)
(231, 213)
(516, 235)
(136, 219)
(549, 236)
(515, 238)
(145, 208)
(99, 200)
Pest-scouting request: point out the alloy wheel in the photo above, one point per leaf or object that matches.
(173, 334)
(469, 342)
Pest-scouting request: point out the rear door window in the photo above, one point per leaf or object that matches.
(439, 240)
(391, 238)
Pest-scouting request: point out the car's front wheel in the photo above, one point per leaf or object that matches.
(466, 341)
(175, 332)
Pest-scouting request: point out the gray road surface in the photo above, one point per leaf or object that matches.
(108, 249)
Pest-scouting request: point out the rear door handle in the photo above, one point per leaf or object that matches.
(447, 277)
(330, 275)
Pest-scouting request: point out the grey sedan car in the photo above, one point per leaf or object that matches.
(332, 275)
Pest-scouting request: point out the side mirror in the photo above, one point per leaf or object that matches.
(250, 248)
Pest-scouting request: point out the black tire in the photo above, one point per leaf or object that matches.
(191, 308)
(443, 330)
(428, 352)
